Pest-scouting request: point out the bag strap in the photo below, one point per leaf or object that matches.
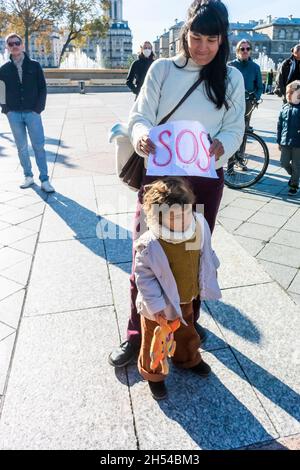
(188, 93)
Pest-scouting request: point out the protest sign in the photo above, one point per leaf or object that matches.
(182, 148)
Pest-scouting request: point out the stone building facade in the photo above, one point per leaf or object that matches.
(273, 37)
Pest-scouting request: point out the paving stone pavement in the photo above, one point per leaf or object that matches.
(264, 219)
(64, 265)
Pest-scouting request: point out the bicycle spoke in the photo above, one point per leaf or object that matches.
(249, 164)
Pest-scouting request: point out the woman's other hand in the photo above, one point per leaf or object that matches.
(146, 145)
(216, 149)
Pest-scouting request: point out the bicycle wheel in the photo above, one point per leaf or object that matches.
(249, 163)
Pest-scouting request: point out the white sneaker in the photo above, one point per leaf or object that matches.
(46, 186)
(29, 181)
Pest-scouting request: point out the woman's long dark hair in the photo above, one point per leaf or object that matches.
(210, 18)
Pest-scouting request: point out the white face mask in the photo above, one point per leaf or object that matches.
(295, 99)
(147, 52)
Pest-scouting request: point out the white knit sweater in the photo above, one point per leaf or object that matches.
(164, 87)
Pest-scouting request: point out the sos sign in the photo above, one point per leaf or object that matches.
(182, 148)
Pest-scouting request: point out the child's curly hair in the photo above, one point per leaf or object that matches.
(168, 191)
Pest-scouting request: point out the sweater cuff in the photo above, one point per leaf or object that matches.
(139, 130)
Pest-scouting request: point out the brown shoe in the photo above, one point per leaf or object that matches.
(201, 369)
(158, 390)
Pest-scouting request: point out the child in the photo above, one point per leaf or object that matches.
(288, 135)
(174, 265)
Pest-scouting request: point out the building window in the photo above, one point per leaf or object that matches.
(282, 34)
(296, 35)
(281, 48)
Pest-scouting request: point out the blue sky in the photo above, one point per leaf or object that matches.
(149, 18)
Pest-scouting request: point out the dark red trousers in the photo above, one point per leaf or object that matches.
(208, 193)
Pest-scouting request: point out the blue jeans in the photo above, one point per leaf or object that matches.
(31, 122)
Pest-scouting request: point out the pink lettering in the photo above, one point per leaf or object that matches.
(195, 145)
(206, 153)
(166, 146)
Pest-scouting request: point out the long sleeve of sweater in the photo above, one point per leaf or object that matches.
(143, 116)
(233, 125)
(164, 87)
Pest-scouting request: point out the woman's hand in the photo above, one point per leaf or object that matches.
(146, 145)
(216, 149)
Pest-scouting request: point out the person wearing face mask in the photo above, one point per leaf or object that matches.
(251, 73)
(139, 68)
(288, 135)
(288, 72)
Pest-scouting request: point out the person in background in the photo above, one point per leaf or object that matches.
(288, 135)
(251, 73)
(25, 99)
(139, 68)
(269, 82)
(288, 72)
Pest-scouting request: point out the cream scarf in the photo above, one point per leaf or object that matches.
(163, 232)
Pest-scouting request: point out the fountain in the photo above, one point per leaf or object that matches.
(265, 62)
(79, 60)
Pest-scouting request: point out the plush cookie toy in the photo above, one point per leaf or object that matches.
(163, 344)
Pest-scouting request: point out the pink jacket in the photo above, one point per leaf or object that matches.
(157, 289)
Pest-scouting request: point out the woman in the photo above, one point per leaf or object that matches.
(218, 103)
(139, 68)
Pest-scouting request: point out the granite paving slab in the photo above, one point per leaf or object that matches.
(116, 232)
(115, 201)
(272, 220)
(27, 245)
(68, 276)
(13, 234)
(284, 275)
(233, 257)
(230, 224)
(277, 254)
(17, 216)
(6, 347)
(10, 257)
(261, 325)
(5, 331)
(10, 308)
(252, 246)
(295, 286)
(19, 273)
(288, 238)
(256, 231)
(237, 213)
(219, 412)
(68, 219)
(8, 287)
(66, 402)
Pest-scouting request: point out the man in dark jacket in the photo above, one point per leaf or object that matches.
(288, 72)
(25, 99)
(139, 68)
(251, 73)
